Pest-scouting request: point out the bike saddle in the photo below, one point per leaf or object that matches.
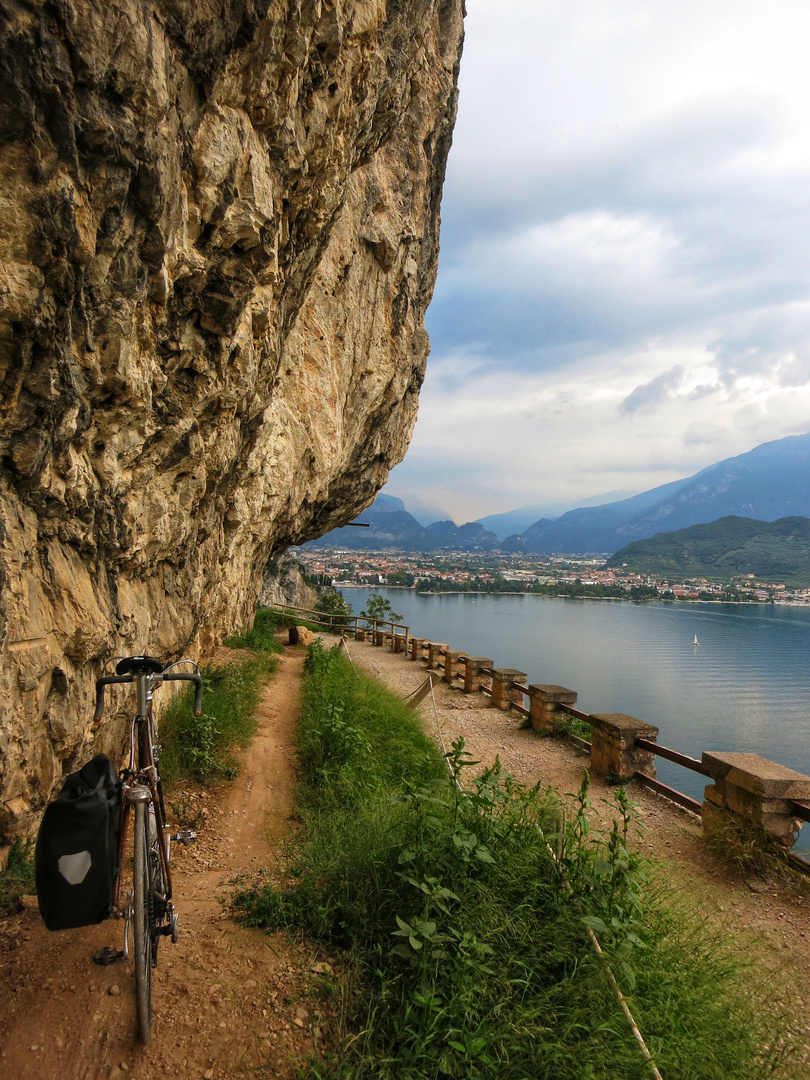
(139, 665)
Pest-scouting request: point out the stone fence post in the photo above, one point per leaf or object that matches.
(451, 658)
(752, 789)
(503, 687)
(435, 650)
(417, 644)
(360, 634)
(544, 705)
(613, 746)
(399, 642)
(473, 666)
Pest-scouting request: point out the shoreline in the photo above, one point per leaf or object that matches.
(564, 596)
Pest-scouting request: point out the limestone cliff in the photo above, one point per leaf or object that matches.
(283, 584)
(218, 239)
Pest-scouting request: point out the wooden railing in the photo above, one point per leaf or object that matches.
(620, 745)
(343, 624)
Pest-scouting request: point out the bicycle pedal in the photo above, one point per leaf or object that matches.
(184, 836)
(106, 956)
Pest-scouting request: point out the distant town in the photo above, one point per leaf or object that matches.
(521, 573)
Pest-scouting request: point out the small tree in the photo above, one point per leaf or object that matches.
(379, 609)
(332, 603)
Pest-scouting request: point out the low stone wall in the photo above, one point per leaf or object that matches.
(746, 787)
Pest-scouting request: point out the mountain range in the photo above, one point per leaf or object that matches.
(517, 521)
(769, 482)
(391, 526)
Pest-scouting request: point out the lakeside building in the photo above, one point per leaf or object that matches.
(463, 571)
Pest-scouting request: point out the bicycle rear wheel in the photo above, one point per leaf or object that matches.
(142, 925)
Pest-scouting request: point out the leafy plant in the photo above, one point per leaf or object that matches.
(377, 607)
(465, 952)
(334, 605)
(204, 748)
(17, 879)
(261, 636)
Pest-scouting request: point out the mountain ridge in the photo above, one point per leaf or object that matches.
(770, 481)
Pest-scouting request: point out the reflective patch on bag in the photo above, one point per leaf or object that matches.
(74, 868)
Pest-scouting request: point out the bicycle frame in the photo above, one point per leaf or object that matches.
(142, 732)
(147, 906)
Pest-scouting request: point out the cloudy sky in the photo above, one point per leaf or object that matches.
(624, 288)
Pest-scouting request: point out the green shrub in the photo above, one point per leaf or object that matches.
(204, 748)
(572, 725)
(379, 609)
(262, 635)
(333, 604)
(17, 880)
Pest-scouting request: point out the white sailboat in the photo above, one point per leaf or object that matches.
(696, 642)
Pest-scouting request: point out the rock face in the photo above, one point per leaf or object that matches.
(283, 584)
(219, 236)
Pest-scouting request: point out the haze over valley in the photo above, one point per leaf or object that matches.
(769, 482)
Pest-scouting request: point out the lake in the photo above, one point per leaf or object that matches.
(744, 687)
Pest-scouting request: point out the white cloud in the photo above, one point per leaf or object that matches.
(624, 292)
(653, 393)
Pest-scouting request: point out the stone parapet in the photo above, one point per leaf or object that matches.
(544, 705)
(755, 790)
(473, 666)
(435, 650)
(614, 753)
(453, 658)
(418, 645)
(503, 687)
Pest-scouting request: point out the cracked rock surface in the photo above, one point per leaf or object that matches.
(218, 238)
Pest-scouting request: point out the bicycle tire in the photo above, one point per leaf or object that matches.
(157, 885)
(142, 927)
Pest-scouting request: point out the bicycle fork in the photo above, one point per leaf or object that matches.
(160, 844)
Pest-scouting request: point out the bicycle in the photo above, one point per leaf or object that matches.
(147, 906)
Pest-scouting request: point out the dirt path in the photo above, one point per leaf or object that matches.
(228, 1001)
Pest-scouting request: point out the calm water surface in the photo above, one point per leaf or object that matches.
(745, 687)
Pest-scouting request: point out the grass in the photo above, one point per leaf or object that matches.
(572, 725)
(465, 956)
(205, 748)
(261, 636)
(17, 879)
(743, 845)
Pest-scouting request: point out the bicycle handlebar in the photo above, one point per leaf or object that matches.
(112, 680)
(189, 676)
(108, 680)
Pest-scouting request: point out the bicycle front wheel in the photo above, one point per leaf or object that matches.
(141, 919)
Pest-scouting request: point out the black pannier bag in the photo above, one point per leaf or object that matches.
(77, 848)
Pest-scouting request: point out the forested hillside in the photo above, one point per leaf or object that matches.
(776, 551)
